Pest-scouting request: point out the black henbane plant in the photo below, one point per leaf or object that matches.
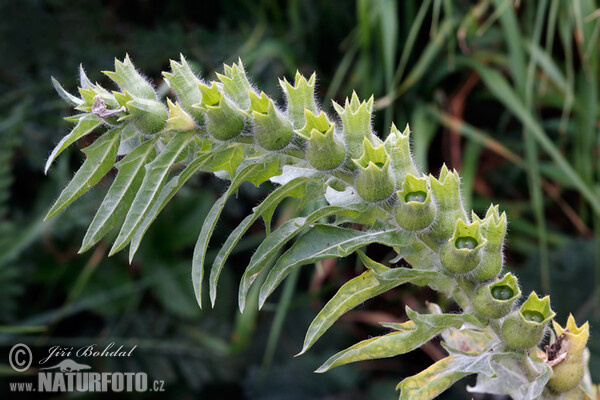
(230, 128)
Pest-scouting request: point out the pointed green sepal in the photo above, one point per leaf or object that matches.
(224, 120)
(128, 78)
(211, 95)
(299, 97)
(397, 145)
(319, 123)
(184, 83)
(495, 300)
(525, 327)
(493, 228)
(149, 116)
(272, 130)
(236, 84)
(415, 210)
(446, 192)
(356, 120)
(461, 254)
(325, 151)
(374, 181)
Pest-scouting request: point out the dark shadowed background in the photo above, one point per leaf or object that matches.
(506, 92)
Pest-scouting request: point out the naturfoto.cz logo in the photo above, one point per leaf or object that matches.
(70, 376)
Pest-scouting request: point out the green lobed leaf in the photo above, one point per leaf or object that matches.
(117, 201)
(326, 241)
(360, 289)
(166, 194)
(155, 177)
(66, 96)
(228, 159)
(426, 327)
(296, 188)
(86, 123)
(433, 381)
(100, 159)
(510, 378)
(277, 239)
(250, 170)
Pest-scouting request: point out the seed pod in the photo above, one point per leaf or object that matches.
(184, 83)
(374, 182)
(495, 300)
(272, 131)
(299, 97)
(415, 210)
(325, 151)
(568, 373)
(224, 120)
(235, 84)
(524, 328)
(493, 228)
(446, 191)
(461, 254)
(149, 116)
(397, 145)
(129, 80)
(356, 120)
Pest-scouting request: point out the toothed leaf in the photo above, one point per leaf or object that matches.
(100, 159)
(296, 188)
(324, 241)
(85, 124)
(154, 179)
(276, 240)
(117, 201)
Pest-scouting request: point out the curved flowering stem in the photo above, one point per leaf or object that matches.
(373, 193)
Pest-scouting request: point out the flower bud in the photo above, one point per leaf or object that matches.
(461, 254)
(415, 210)
(495, 300)
(184, 83)
(126, 76)
(524, 328)
(356, 120)
(236, 85)
(90, 94)
(179, 120)
(446, 192)
(272, 131)
(570, 361)
(374, 182)
(397, 145)
(299, 97)
(324, 150)
(493, 228)
(223, 119)
(149, 116)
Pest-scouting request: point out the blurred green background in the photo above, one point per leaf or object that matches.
(504, 91)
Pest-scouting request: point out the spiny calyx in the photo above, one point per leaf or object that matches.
(374, 182)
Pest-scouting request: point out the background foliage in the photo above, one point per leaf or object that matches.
(505, 92)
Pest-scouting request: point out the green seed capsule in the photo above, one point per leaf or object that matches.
(419, 197)
(502, 292)
(466, 242)
(533, 316)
